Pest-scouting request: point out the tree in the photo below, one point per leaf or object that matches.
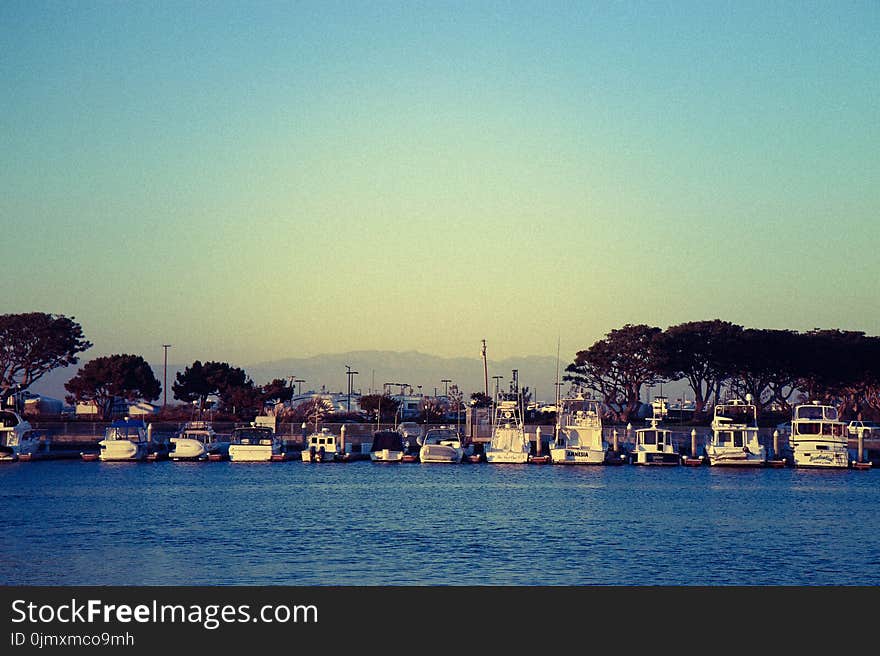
(698, 351)
(313, 410)
(199, 381)
(618, 366)
(373, 404)
(433, 410)
(764, 364)
(33, 344)
(277, 391)
(106, 379)
(481, 400)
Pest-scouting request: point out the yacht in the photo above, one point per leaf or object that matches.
(321, 446)
(18, 439)
(509, 444)
(579, 434)
(193, 441)
(253, 444)
(387, 446)
(654, 446)
(818, 437)
(441, 445)
(734, 435)
(124, 440)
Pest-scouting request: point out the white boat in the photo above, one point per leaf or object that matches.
(193, 441)
(322, 446)
(124, 440)
(818, 437)
(509, 444)
(387, 446)
(441, 445)
(253, 444)
(17, 436)
(654, 446)
(734, 435)
(579, 433)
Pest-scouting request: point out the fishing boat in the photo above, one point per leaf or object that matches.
(818, 437)
(441, 445)
(733, 440)
(509, 443)
(387, 446)
(18, 439)
(253, 443)
(193, 442)
(322, 446)
(579, 438)
(654, 446)
(125, 440)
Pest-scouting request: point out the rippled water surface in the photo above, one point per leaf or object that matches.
(76, 523)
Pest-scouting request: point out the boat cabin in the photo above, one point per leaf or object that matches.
(257, 435)
(390, 440)
(133, 430)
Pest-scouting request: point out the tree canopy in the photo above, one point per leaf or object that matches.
(106, 379)
(231, 384)
(33, 344)
(373, 404)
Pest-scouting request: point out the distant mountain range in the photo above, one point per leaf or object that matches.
(375, 368)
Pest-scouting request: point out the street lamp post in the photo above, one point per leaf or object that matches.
(165, 384)
(496, 379)
(349, 373)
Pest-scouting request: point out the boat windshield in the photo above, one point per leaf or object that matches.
(262, 436)
(436, 436)
(819, 428)
(123, 433)
(816, 412)
(731, 438)
(736, 413)
(651, 437)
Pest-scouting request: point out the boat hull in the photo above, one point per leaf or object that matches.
(577, 456)
(735, 457)
(250, 453)
(507, 457)
(655, 458)
(386, 455)
(819, 455)
(187, 449)
(122, 451)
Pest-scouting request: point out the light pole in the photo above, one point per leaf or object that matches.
(446, 382)
(496, 379)
(165, 384)
(299, 388)
(349, 373)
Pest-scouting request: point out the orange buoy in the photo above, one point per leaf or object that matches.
(862, 465)
(89, 456)
(775, 463)
(539, 460)
(692, 462)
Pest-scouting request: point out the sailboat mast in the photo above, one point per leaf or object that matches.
(485, 369)
(556, 427)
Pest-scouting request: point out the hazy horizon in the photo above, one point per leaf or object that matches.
(243, 180)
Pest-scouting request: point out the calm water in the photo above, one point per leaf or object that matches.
(76, 523)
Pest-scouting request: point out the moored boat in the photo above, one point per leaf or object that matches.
(654, 446)
(441, 445)
(125, 440)
(818, 437)
(509, 443)
(193, 441)
(253, 444)
(387, 446)
(322, 446)
(579, 438)
(734, 436)
(18, 439)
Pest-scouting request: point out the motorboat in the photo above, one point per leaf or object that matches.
(18, 439)
(441, 445)
(734, 435)
(509, 444)
(412, 440)
(322, 446)
(253, 443)
(124, 440)
(654, 446)
(578, 439)
(387, 446)
(193, 441)
(818, 437)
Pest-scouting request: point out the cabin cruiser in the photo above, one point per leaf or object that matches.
(509, 444)
(654, 446)
(579, 434)
(17, 437)
(387, 446)
(253, 444)
(124, 440)
(441, 445)
(734, 437)
(321, 446)
(193, 441)
(818, 437)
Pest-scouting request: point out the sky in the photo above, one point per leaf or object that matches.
(249, 181)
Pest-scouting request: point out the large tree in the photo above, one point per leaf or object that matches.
(106, 379)
(33, 344)
(382, 406)
(618, 366)
(199, 381)
(699, 352)
(765, 364)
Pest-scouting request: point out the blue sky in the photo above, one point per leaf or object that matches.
(257, 180)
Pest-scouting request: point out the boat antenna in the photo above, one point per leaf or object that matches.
(556, 400)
